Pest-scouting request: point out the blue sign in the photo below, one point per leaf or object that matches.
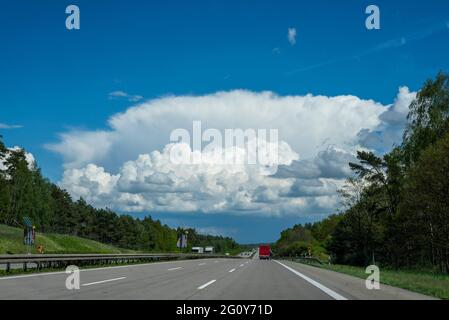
(182, 241)
(29, 234)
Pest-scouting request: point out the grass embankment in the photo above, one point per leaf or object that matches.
(425, 282)
(11, 241)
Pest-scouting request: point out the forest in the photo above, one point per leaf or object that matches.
(394, 208)
(25, 192)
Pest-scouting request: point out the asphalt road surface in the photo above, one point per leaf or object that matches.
(212, 279)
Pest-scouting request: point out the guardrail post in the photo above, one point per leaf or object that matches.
(24, 266)
(8, 267)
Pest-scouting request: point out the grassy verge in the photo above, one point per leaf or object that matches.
(425, 282)
(11, 241)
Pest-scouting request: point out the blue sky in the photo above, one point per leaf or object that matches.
(56, 81)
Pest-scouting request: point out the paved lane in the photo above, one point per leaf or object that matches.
(262, 280)
(234, 279)
(166, 280)
(354, 288)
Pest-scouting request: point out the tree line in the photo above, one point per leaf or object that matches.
(25, 192)
(395, 207)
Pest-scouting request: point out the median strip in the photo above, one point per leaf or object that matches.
(103, 281)
(326, 290)
(206, 284)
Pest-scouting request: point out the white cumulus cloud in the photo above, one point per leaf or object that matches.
(392, 124)
(127, 167)
(10, 126)
(291, 36)
(29, 157)
(122, 94)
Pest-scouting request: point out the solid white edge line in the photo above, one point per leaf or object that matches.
(103, 281)
(31, 275)
(232, 270)
(38, 274)
(326, 290)
(177, 268)
(206, 284)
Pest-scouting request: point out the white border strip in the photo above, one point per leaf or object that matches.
(326, 290)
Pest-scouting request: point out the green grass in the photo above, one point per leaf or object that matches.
(11, 241)
(425, 282)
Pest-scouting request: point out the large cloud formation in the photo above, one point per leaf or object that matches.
(127, 166)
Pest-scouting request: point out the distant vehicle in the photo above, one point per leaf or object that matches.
(198, 249)
(209, 249)
(264, 252)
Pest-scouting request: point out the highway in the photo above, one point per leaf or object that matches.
(211, 279)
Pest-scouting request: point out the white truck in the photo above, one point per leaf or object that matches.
(198, 249)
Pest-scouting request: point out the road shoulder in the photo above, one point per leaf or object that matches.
(352, 287)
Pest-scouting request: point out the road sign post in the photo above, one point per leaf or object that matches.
(182, 241)
(29, 233)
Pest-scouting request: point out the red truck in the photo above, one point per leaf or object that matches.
(264, 252)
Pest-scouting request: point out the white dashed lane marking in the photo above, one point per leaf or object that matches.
(206, 284)
(177, 268)
(103, 281)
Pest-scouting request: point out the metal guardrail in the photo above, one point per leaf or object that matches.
(62, 260)
(301, 259)
(308, 260)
